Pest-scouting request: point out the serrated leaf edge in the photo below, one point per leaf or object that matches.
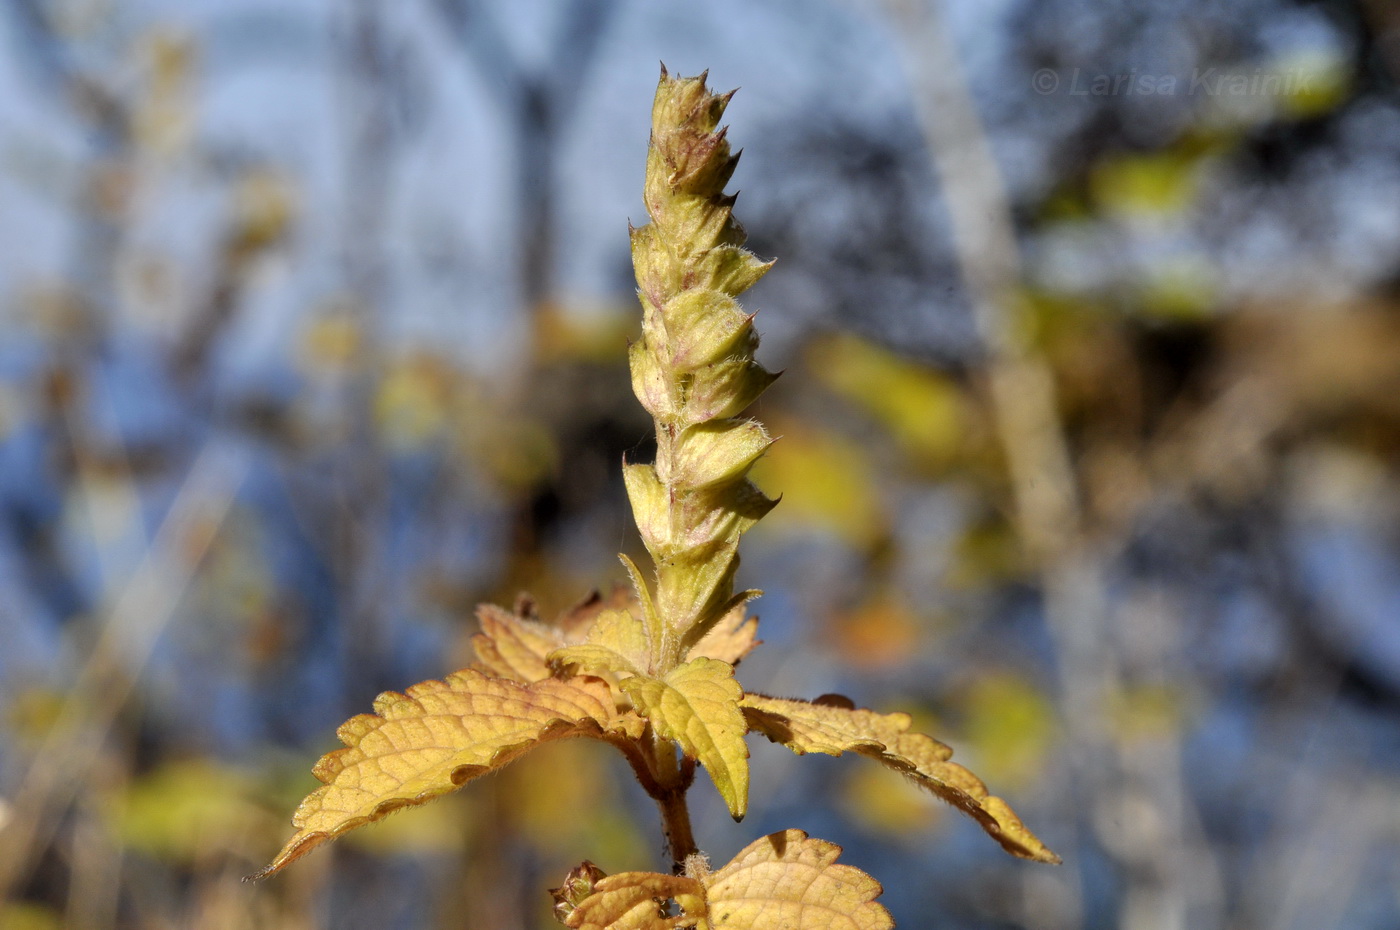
(354, 730)
(951, 782)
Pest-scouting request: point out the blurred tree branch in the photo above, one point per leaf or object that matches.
(537, 108)
(1045, 492)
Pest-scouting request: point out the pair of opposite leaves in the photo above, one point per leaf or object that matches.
(534, 682)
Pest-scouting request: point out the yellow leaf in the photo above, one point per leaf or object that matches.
(617, 644)
(787, 880)
(433, 739)
(575, 622)
(833, 725)
(784, 881)
(697, 706)
(512, 646)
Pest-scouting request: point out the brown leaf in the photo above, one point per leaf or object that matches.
(514, 643)
(729, 640)
(833, 725)
(575, 622)
(512, 646)
(578, 885)
(634, 901)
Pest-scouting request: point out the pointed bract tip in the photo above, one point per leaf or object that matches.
(664, 73)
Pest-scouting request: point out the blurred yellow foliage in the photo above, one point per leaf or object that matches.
(923, 409)
(164, 121)
(264, 208)
(986, 552)
(331, 344)
(187, 808)
(1148, 711)
(1183, 287)
(1316, 83)
(827, 482)
(564, 799)
(33, 712)
(413, 401)
(21, 915)
(418, 831)
(1011, 726)
(883, 802)
(56, 309)
(1155, 184)
(517, 451)
(597, 334)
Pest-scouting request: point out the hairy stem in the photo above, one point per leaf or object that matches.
(666, 779)
(675, 779)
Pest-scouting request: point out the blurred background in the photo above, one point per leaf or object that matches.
(314, 325)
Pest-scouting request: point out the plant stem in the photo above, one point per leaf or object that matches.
(675, 777)
(675, 824)
(666, 779)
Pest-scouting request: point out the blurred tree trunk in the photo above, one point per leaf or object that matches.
(536, 109)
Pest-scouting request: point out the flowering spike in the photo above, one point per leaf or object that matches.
(694, 367)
